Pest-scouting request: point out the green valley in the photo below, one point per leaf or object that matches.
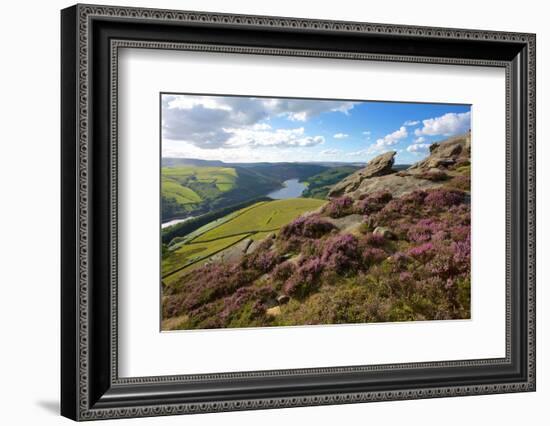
(195, 187)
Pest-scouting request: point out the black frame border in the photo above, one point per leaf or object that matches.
(90, 387)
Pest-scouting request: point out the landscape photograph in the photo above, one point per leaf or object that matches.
(283, 212)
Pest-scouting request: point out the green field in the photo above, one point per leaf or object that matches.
(178, 241)
(206, 174)
(188, 188)
(189, 253)
(202, 182)
(254, 222)
(262, 217)
(182, 194)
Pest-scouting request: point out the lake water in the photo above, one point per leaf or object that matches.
(292, 189)
(174, 221)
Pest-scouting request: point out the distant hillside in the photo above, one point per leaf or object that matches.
(399, 167)
(284, 171)
(172, 162)
(177, 161)
(188, 190)
(319, 185)
(192, 187)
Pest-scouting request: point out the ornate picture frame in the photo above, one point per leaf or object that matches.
(90, 384)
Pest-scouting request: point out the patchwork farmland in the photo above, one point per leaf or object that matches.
(254, 223)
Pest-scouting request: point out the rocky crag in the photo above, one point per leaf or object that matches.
(378, 175)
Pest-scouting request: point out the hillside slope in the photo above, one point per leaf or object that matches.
(192, 187)
(221, 237)
(319, 185)
(389, 246)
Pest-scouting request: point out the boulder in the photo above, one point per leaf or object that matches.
(246, 245)
(369, 222)
(395, 184)
(345, 222)
(444, 154)
(235, 252)
(384, 232)
(273, 312)
(283, 299)
(378, 166)
(271, 303)
(378, 175)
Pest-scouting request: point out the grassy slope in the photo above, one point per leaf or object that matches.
(262, 217)
(210, 225)
(186, 188)
(192, 252)
(195, 190)
(254, 222)
(206, 174)
(182, 194)
(205, 182)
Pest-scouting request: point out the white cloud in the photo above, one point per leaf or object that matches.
(367, 152)
(302, 109)
(447, 125)
(340, 135)
(382, 145)
(330, 152)
(418, 147)
(344, 107)
(366, 132)
(392, 138)
(411, 123)
(238, 155)
(261, 126)
(359, 153)
(420, 139)
(263, 137)
(189, 102)
(211, 122)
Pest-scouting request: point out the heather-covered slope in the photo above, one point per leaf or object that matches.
(372, 254)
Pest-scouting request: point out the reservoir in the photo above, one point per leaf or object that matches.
(174, 222)
(292, 189)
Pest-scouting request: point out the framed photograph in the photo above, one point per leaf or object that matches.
(263, 212)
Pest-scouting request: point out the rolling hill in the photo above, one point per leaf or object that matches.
(193, 187)
(192, 190)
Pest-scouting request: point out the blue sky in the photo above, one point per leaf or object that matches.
(247, 129)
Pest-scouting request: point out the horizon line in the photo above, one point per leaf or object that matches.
(276, 162)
